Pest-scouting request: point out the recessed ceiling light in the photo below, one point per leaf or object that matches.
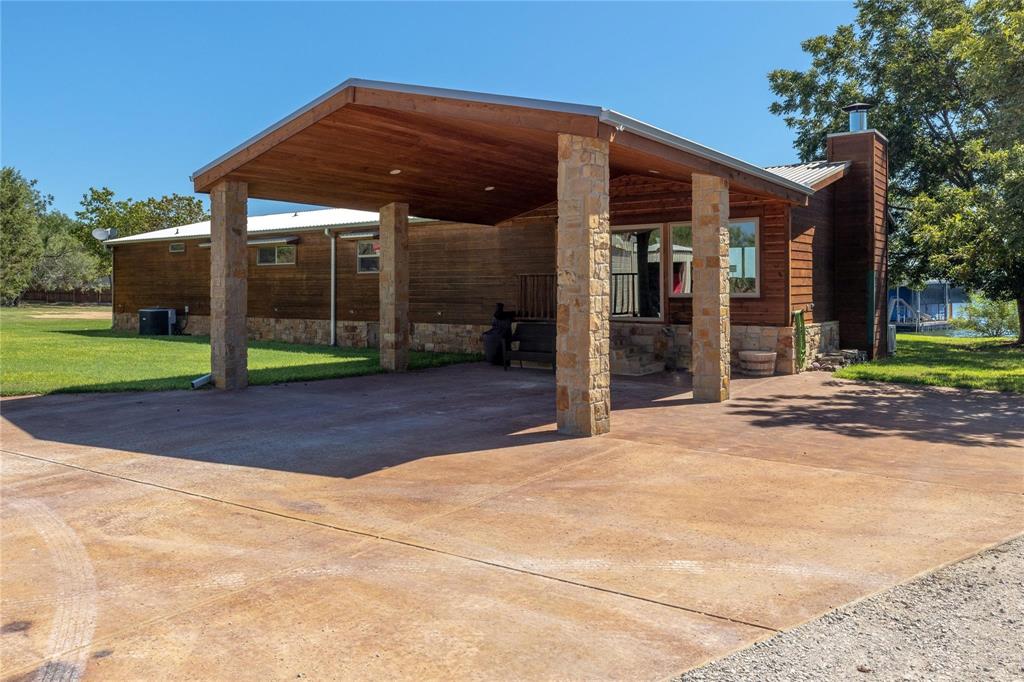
(489, 188)
(395, 171)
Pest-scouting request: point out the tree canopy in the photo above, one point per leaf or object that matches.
(946, 78)
(65, 263)
(21, 206)
(100, 208)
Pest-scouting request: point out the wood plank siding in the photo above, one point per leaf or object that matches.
(812, 278)
(457, 272)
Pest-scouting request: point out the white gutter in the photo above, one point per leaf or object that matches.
(267, 241)
(623, 122)
(334, 288)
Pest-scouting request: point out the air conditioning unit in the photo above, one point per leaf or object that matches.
(157, 321)
(891, 340)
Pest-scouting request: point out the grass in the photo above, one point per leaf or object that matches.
(987, 363)
(61, 353)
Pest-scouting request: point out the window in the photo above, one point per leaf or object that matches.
(743, 278)
(275, 255)
(636, 272)
(177, 247)
(368, 256)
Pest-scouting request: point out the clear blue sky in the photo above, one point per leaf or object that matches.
(136, 96)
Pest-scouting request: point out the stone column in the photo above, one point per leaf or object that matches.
(229, 265)
(583, 393)
(711, 353)
(394, 287)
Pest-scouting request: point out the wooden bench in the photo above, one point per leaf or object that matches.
(535, 342)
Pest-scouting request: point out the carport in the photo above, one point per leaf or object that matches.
(478, 158)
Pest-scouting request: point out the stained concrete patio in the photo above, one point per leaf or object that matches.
(435, 525)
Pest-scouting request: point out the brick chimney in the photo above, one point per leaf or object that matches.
(861, 235)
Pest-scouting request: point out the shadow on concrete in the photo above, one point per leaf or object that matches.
(342, 428)
(920, 413)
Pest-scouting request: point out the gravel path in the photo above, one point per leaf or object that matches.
(964, 622)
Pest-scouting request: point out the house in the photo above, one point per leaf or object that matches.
(650, 251)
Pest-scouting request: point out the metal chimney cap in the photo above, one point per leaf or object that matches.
(858, 106)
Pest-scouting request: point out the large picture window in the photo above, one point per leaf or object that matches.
(275, 255)
(743, 258)
(636, 273)
(368, 256)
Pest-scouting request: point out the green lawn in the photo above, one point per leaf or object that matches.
(55, 354)
(947, 361)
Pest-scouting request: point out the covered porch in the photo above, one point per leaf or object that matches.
(491, 160)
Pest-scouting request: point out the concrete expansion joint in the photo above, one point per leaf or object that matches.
(384, 538)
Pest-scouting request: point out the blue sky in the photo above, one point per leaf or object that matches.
(136, 96)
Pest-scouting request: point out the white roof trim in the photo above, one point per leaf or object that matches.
(278, 223)
(267, 241)
(604, 115)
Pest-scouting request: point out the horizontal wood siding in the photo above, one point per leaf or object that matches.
(457, 273)
(148, 275)
(812, 258)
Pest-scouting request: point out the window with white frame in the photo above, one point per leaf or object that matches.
(275, 255)
(743, 258)
(368, 256)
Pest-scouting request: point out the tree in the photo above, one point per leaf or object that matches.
(65, 263)
(945, 77)
(988, 318)
(975, 237)
(128, 216)
(21, 204)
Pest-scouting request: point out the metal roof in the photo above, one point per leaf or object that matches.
(276, 222)
(811, 173)
(614, 118)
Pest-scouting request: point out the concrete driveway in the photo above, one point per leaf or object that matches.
(434, 525)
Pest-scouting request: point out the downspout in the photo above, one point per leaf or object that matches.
(113, 305)
(334, 289)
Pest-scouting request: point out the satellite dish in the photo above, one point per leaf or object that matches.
(100, 234)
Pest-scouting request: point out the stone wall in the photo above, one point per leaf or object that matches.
(448, 338)
(638, 349)
(822, 339)
(425, 336)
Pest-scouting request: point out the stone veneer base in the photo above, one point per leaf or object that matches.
(425, 336)
(643, 348)
(636, 349)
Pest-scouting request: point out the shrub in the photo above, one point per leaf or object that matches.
(989, 318)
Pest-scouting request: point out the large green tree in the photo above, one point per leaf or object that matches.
(100, 208)
(65, 263)
(946, 78)
(21, 206)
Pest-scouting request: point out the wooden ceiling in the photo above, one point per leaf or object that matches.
(343, 151)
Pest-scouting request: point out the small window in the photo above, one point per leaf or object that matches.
(177, 247)
(743, 257)
(275, 255)
(368, 256)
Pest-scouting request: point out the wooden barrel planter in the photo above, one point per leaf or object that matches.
(758, 363)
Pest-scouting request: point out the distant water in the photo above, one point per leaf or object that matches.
(959, 333)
